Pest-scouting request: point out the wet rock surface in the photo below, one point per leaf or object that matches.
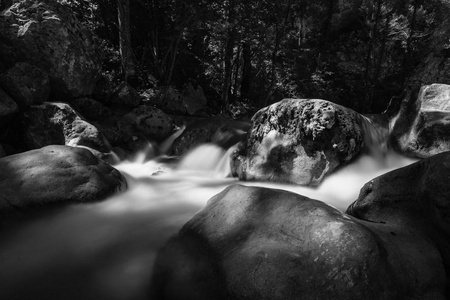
(259, 243)
(298, 141)
(55, 175)
(422, 126)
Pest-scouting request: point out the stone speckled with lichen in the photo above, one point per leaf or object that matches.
(298, 141)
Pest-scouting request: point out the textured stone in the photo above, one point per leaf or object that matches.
(26, 84)
(151, 121)
(91, 109)
(299, 141)
(46, 34)
(125, 96)
(58, 124)
(422, 126)
(258, 243)
(55, 175)
(8, 108)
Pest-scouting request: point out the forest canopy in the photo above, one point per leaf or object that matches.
(247, 54)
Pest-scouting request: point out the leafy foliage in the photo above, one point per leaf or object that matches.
(248, 54)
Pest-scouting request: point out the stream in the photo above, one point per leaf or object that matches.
(106, 250)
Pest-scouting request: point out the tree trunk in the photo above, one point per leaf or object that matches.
(126, 51)
(368, 79)
(246, 71)
(228, 58)
(407, 57)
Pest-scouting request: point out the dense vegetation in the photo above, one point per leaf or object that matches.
(249, 53)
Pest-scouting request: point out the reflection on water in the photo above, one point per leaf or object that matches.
(106, 250)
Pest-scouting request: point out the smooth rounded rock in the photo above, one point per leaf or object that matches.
(258, 243)
(55, 175)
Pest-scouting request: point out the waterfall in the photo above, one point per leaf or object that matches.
(106, 250)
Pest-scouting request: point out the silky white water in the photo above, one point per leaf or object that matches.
(106, 250)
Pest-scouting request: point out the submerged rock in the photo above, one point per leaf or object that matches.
(422, 126)
(299, 141)
(259, 243)
(55, 175)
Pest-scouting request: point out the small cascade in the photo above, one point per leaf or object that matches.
(376, 137)
(107, 249)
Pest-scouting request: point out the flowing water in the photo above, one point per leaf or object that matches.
(106, 250)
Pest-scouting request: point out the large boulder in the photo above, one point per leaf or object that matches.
(58, 124)
(46, 34)
(55, 175)
(150, 121)
(299, 141)
(26, 84)
(422, 125)
(8, 108)
(259, 243)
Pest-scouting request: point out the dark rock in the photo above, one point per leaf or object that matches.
(2, 152)
(8, 108)
(55, 175)
(259, 243)
(150, 121)
(299, 141)
(58, 124)
(26, 84)
(125, 96)
(46, 34)
(224, 133)
(103, 90)
(190, 101)
(422, 126)
(91, 109)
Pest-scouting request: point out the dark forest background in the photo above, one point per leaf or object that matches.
(246, 54)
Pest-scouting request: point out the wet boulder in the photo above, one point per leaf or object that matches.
(422, 126)
(47, 34)
(55, 175)
(259, 243)
(58, 124)
(26, 84)
(299, 141)
(150, 121)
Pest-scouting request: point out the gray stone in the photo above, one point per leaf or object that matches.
(258, 243)
(299, 141)
(125, 96)
(150, 121)
(422, 126)
(58, 124)
(26, 84)
(46, 34)
(55, 175)
(8, 108)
